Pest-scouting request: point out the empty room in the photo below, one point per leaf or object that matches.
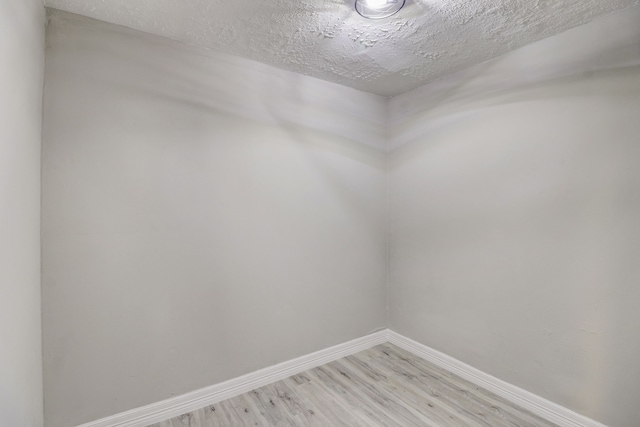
(321, 213)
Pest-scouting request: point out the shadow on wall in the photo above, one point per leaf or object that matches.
(226, 83)
(300, 107)
(453, 105)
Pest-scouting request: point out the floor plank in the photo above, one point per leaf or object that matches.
(384, 386)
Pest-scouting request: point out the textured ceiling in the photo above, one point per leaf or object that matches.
(329, 40)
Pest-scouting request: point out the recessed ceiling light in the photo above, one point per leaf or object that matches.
(378, 9)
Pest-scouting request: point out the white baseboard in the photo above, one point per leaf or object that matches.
(539, 406)
(176, 406)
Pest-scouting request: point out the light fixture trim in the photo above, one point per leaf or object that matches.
(378, 9)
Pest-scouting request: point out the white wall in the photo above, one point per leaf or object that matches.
(515, 207)
(21, 73)
(204, 216)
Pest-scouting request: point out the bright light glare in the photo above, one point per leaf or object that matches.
(376, 4)
(378, 9)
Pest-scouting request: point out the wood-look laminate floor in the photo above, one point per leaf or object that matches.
(382, 386)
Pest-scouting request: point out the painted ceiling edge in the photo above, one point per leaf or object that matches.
(328, 39)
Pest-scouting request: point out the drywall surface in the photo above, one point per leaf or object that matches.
(21, 74)
(515, 198)
(328, 39)
(204, 216)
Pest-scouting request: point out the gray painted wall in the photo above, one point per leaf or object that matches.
(515, 207)
(21, 74)
(204, 216)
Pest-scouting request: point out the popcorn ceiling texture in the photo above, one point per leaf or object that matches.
(327, 39)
